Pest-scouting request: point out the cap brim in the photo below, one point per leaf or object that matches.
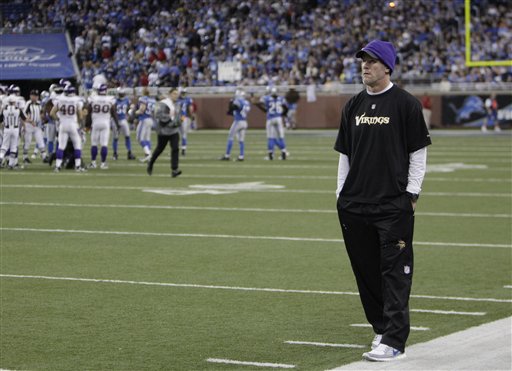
(362, 52)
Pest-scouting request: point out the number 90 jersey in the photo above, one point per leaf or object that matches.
(101, 108)
(67, 108)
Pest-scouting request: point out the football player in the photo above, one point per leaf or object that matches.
(239, 107)
(101, 108)
(67, 110)
(187, 111)
(144, 113)
(122, 104)
(276, 108)
(11, 118)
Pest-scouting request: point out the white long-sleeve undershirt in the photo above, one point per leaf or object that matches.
(416, 173)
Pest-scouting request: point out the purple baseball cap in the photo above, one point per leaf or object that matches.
(381, 50)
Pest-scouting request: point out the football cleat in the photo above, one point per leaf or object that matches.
(26, 160)
(130, 156)
(149, 169)
(56, 169)
(80, 169)
(224, 158)
(183, 152)
(115, 156)
(176, 173)
(240, 158)
(104, 166)
(92, 165)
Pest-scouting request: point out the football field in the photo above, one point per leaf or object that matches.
(235, 265)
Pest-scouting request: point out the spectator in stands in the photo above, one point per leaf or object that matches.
(277, 40)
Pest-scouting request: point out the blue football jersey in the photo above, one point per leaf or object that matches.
(273, 105)
(243, 108)
(123, 104)
(150, 104)
(185, 103)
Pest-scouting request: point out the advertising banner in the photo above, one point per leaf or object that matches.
(470, 111)
(34, 56)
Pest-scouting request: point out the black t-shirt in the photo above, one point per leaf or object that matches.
(377, 133)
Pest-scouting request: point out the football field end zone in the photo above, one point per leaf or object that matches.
(484, 347)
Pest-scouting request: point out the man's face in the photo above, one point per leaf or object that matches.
(174, 95)
(373, 71)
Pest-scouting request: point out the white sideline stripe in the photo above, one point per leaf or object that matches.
(250, 209)
(198, 235)
(448, 312)
(333, 345)
(168, 207)
(484, 347)
(238, 288)
(413, 328)
(245, 363)
(116, 188)
(507, 287)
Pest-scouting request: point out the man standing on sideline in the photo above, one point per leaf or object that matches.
(491, 107)
(168, 117)
(382, 143)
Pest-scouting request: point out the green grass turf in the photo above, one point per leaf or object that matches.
(287, 238)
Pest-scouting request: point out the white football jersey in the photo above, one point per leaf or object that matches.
(101, 106)
(67, 108)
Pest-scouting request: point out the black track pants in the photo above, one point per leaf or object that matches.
(174, 141)
(378, 239)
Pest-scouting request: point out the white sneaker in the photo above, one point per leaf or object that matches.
(383, 353)
(104, 166)
(376, 341)
(146, 159)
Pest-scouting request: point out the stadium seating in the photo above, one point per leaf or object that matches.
(162, 43)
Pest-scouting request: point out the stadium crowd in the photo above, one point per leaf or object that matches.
(171, 43)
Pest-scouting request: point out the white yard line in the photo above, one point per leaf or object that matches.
(437, 194)
(413, 328)
(329, 345)
(237, 288)
(230, 236)
(245, 363)
(249, 209)
(292, 167)
(448, 312)
(236, 209)
(507, 287)
(484, 347)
